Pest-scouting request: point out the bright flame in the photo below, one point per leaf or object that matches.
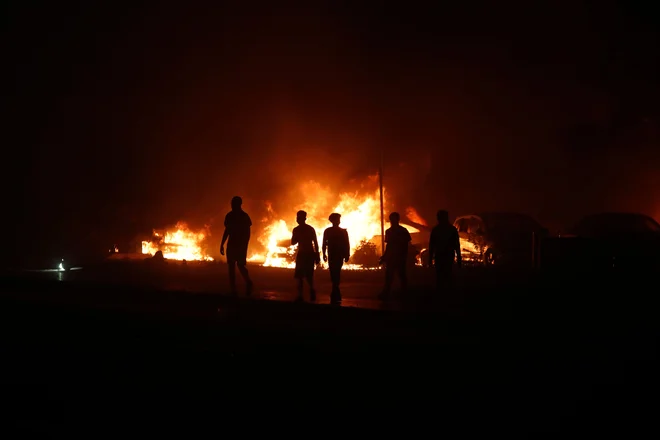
(360, 215)
(470, 251)
(178, 244)
(414, 217)
(418, 258)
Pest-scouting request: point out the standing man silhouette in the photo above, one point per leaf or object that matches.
(444, 246)
(237, 230)
(308, 254)
(397, 239)
(336, 243)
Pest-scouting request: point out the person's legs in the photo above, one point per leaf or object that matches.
(389, 277)
(310, 281)
(232, 274)
(335, 277)
(444, 277)
(449, 275)
(298, 274)
(403, 276)
(305, 271)
(242, 268)
(335, 272)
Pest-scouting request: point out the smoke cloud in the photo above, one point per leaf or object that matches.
(173, 112)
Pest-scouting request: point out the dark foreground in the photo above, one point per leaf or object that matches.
(547, 355)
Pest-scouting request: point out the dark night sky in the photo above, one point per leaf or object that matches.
(121, 119)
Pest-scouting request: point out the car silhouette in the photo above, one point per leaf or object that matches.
(500, 238)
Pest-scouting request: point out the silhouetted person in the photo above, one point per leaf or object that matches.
(307, 256)
(444, 246)
(337, 245)
(237, 229)
(395, 258)
(158, 257)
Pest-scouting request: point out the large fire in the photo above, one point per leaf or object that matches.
(360, 215)
(178, 244)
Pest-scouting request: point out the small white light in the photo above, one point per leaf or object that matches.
(61, 267)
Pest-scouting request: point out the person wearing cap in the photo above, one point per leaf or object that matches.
(307, 256)
(237, 230)
(336, 251)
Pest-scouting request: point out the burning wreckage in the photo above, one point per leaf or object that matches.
(486, 239)
(361, 216)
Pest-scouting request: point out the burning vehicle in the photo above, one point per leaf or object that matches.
(500, 238)
(360, 215)
(270, 245)
(180, 243)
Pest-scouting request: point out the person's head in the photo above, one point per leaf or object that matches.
(395, 218)
(236, 203)
(301, 217)
(442, 216)
(335, 219)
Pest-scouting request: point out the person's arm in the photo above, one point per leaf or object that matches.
(317, 254)
(294, 238)
(431, 248)
(225, 236)
(347, 245)
(315, 241)
(384, 256)
(457, 248)
(324, 246)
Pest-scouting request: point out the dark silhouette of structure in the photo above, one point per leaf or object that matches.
(444, 247)
(307, 256)
(337, 245)
(237, 230)
(395, 258)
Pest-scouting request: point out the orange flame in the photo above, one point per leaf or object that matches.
(360, 215)
(179, 244)
(414, 217)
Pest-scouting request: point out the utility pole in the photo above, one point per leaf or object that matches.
(382, 215)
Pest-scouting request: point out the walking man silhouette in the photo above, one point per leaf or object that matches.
(307, 256)
(337, 245)
(395, 258)
(444, 246)
(237, 230)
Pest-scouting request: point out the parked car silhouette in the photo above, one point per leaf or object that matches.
(611, 240)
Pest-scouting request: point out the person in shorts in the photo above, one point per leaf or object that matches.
(237, 230)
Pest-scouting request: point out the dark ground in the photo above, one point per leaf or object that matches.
(576, 353)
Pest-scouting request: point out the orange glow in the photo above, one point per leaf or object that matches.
(179, 244)
(471, 251)
(360, 215)
(414, 217)
(418, 258)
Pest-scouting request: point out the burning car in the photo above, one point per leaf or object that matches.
(501, 238)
